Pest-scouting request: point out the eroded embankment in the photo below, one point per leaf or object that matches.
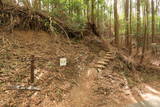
(54, 81)
(94, 76)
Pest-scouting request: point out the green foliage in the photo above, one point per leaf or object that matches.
(79, 12)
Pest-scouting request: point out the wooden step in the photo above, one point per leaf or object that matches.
(106, 61)
(109, 57)
(109, 52)
(102, 62)
(99, 70)
(100, 66)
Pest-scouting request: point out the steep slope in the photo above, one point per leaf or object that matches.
(96, 75)
(54, 81)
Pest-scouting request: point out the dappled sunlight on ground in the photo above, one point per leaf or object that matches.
(155, 62)
(152, 90)
(128, 92)
(150, 97)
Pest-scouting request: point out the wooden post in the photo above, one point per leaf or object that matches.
(32, 69)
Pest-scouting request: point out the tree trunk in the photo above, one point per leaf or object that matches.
(110, 32)
(69, 10)
(98, 15)
(88, 17)
(127, 22)
(146, 11)
(116, 23)
(138, 25)
(153, 21)
(92, 11)
(147, 21)
(130, 40)
(92, 24)
(1, 3)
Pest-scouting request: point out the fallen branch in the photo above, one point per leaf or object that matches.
(31, 88)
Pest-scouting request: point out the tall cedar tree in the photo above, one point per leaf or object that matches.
(116, 23)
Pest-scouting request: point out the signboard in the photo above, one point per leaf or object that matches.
(63, 61)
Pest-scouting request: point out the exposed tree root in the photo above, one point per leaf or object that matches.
(12, 17)
(135, 65)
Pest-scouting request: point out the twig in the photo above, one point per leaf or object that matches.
(64, 32)
(31, 88)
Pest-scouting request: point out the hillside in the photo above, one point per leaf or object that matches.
(79, 53)
(77, 84)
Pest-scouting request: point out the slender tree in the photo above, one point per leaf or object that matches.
(116, 23)
(1, 3)
(147, 24)
(130, 16)
(92, 11)
(110, 22)
(145, 15)
(98, 14)
(88, 17)
(130, 23)
(127, 21)
(153, 20)
(138, 24)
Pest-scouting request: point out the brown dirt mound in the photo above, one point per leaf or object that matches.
(55, 81)
(14, 16)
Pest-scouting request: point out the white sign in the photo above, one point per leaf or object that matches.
(63, 61)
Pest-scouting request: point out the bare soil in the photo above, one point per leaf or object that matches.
(79, 84)
(54, 81)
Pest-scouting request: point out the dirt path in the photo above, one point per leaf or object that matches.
(148, 95)
(80, 95)
(100, 87)
(83, 95)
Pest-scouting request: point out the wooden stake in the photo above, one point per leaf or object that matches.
(32, 68)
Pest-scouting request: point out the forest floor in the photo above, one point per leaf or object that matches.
(94, 75)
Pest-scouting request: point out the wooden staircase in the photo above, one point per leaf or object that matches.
(104, 61)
